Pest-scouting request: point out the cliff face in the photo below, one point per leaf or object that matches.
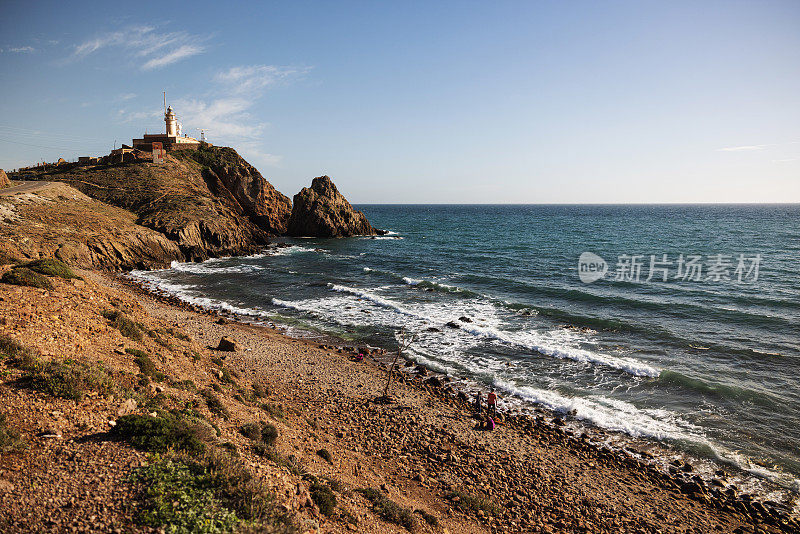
(4, 181)
(321, 211)
(228, 172)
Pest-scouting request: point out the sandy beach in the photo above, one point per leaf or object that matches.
(422, 450)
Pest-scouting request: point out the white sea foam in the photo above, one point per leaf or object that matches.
(294, 249)
(208, 267)
(380, 301)
(188, 293)
(532, 341)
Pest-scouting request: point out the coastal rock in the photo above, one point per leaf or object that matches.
(4, 181)
(226, 344)
(321, 211)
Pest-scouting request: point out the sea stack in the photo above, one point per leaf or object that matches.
(321, 211)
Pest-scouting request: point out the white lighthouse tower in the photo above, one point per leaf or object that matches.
(173, 139)
(172, 123)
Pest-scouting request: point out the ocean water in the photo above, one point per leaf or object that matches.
(706, 362)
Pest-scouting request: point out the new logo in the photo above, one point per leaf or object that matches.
(591, 267)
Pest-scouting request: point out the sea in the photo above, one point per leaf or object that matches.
(677, 325)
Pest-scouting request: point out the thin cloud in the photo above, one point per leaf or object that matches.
(255, 78)
(144, 43)
(126, 96)
(743, 148)
(22, 50)
(173, 57)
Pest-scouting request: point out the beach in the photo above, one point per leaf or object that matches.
(421, 450)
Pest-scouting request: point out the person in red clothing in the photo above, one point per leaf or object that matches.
(491, 403)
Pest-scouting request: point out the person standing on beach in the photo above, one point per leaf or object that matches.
(491, 403)
(478, 403)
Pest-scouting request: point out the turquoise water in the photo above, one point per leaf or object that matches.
(708, 365)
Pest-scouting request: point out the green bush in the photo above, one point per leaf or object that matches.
(325, 455)
(21, 276)
(148, 368)
(68, 379)
(136, 352)
(181, 497)
(251, 431)
(124, 324)
(323, 497)
(269, 433)
(167, 431)
(214, 404)
(387, 509)
(51, 267)
(468, 502)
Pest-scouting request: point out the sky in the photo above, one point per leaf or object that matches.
(426, 102)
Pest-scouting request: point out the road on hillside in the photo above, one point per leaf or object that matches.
(25, 187)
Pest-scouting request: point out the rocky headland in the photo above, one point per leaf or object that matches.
(206, 203)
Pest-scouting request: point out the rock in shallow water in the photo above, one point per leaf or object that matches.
(321, 211)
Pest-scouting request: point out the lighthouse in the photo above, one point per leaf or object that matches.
(173, 139)
(172, 122)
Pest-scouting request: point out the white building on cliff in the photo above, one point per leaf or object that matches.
(172, 140)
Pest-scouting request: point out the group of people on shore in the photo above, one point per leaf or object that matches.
(491, 410)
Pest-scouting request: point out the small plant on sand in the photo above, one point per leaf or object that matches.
(9, 438)
(124, 324)
(148, 368)
(214, 404)
(68, 379)
(21, 276)
(251, 431)
(468, 502)
(51, 267)
(387, 509)
(325, 455)
(259, 390)
(178, 334)
(227, 376)
(136, 352)
(166, 431)
(429, 518)
(323, 497)
(261, 431)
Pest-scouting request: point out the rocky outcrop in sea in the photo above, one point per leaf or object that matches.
(321, 211)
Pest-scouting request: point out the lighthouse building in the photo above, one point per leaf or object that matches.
(172, 140)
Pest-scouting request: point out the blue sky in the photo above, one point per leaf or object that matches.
(441, 102)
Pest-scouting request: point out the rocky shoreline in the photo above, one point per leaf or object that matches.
(678, 477)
